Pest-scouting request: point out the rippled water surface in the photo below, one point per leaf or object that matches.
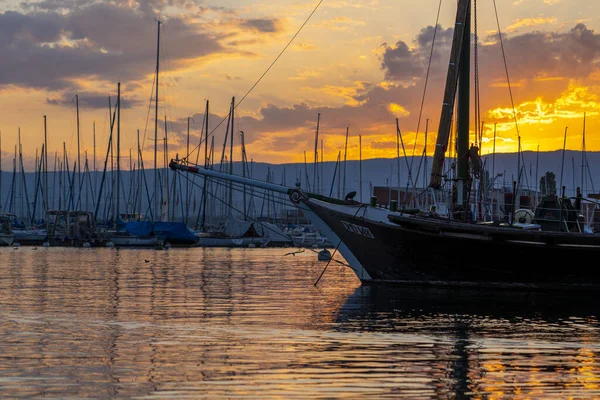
(249, 323)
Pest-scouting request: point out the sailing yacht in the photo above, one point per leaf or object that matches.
(423, 248)
(6, 233)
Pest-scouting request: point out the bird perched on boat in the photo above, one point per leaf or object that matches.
(350, 196)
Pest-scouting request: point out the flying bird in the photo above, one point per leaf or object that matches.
(293, 253)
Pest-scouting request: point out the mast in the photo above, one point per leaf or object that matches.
(118, 199)
(156, 210)
(306, 172)
(140, 171)
(322, 176)
(461, 37)
(231, 154)
(95, 178)
(0, 170)
(398, 159)
(345, 155)
(165, 201)
(463, 122)
(562, 166)
(583, 157)
(425, 154)
(47, 206)
(316, 186)
(360, 165)
(204, 194)
(187, 182)
(537, 182)
(78, 150)
(339, 174)
(244, 172)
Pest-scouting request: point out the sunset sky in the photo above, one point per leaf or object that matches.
(359, 63)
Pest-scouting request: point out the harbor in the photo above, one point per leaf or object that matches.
(299, 200)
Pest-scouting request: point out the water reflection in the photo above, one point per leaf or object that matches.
(498, 344)
(249, 323)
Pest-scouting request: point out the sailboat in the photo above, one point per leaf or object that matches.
(543, 251)
(6, 233)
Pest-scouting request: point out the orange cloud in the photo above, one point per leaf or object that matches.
(529, 22)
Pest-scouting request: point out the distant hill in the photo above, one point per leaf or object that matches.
(375, 172)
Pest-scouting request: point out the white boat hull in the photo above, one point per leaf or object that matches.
(134, 241)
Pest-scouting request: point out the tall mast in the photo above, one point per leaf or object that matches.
(360, 165)
(244, 172)
(463, 120)
(95, 178)
(537, 165)
(461, 37)
(0, 170)
(231, 154)
(206, 164)
(322, 175)
(78, 154)
(165, 201)
(345, 155)
(398, 160)
(140, 172)
(316, 186)
(47, 206)
(583, 157)
(118, 199)
(425, 154)
(187, 181)
(156, 210)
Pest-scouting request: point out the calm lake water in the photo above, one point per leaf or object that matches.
(249, 323)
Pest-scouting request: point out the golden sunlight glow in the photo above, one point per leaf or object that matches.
(528, 22)
(397, 110)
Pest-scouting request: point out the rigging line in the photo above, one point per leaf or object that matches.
(148, 115)
(478, 127)
(506, 70)
(338, 246)
(255, 220)
(426, 82)
(266, 71)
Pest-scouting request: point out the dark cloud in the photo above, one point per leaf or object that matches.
(93, 100)
(49, 50)
(54, 5)
(53, 42)
(402, 63)
(264, 25)
(573, 54)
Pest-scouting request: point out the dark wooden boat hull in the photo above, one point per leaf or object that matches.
(428, 251)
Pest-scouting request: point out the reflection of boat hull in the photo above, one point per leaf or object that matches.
(135, 241)
(369, 301)
(207, 241)
(434, 252)
(6, 239)
(73, 242)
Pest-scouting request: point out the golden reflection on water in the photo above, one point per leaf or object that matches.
(249, 323)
